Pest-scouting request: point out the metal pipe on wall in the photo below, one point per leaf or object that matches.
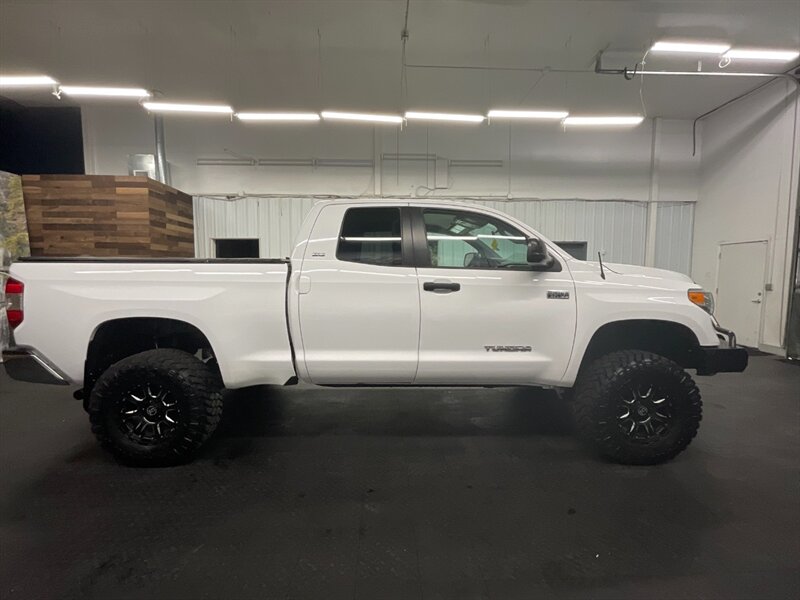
(162, 168)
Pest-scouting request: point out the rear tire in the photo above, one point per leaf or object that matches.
(156, 408)
(636, 408)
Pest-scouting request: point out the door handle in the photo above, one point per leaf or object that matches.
(303, 284)
(441, 286)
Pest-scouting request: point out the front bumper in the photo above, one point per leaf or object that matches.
(24, 364)
(726, 358)
(721, 360)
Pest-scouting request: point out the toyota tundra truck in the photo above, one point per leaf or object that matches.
(375, 293)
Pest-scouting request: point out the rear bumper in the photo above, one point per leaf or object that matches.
(25, 364)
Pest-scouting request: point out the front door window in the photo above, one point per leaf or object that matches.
(467, 240)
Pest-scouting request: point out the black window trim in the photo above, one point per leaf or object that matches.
(422, 258)
(406, 238)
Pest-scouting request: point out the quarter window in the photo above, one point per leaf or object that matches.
(467, 240)
(371, 235)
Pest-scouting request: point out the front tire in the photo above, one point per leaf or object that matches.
(156, 408)
(636, 408)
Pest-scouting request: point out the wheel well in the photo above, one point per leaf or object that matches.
(669, 339)
(120, 338)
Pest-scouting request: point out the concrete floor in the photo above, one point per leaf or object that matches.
(311, 493)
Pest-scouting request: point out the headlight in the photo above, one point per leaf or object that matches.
(703, 299)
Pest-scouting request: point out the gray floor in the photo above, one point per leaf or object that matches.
(310, 493)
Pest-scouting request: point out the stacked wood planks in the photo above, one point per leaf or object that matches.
(106, 215)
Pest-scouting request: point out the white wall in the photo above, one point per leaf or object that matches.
(536, 163)
(545, 161)
(748, 191)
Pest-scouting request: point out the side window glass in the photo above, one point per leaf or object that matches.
(371, 235)
(466, 240)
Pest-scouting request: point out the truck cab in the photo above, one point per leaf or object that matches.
(429, 295)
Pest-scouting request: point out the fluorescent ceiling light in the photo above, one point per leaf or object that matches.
(528, 114)
(754, 54)
(23, 80)
(394, 119)
(273, 116)
(426, 116)
(109, 92)
(616, 120)
(190, 108)
(689, 47)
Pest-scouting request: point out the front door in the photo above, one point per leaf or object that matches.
(487, 317)
(358, 297)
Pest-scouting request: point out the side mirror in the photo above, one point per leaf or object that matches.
(537, 253)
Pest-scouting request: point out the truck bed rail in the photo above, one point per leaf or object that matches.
(145, 259)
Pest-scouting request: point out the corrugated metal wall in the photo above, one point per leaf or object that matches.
(674, 233)
(274, 221)
(616, 228)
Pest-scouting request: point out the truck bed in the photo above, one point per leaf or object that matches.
(238, 304)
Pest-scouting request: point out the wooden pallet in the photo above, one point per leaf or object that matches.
(106, 215)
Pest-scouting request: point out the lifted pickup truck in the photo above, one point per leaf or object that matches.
(376, 293)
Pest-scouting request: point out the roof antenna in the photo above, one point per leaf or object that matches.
(600, 260)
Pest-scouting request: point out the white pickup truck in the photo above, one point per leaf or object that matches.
(376, 293)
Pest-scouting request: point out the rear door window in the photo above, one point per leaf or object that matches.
(371, 235)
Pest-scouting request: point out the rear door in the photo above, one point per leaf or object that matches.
(486, 316)
(358, 297)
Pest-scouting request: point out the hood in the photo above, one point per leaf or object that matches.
(641, 274)
(646, 272)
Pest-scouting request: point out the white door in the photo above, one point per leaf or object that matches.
(740, 289)
(358, 298)
(486, 316)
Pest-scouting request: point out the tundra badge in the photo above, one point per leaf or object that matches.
(557, 295)
(508, 348)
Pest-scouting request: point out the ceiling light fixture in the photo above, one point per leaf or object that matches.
(106, 92)
(370, 118)
(189, 108)
(26, 80)
(690, 47)
(274, 116)
(528, 114)
(601, 121)
(762, 54)
(427, 116)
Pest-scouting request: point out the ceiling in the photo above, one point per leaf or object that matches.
(317, 54)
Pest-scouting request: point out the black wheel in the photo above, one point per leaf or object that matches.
(156, 408)
(636, 408)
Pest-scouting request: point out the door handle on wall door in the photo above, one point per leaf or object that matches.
(441, 286)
